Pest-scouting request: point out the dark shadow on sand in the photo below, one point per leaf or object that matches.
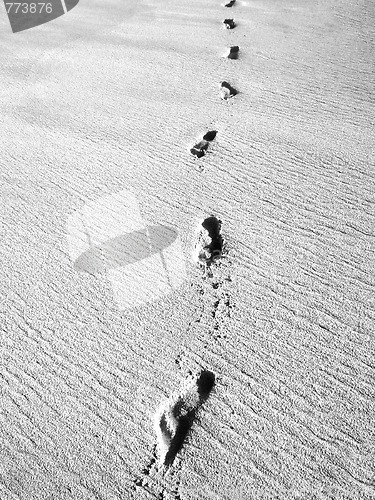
(126, 249)
(233, 52)
(231, 90)
(213, 226)
(229, 24)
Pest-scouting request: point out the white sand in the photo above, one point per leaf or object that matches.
(112, 96)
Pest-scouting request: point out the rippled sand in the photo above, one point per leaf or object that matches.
(112, 97)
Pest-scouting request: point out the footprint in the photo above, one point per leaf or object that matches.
(201, 147)
(230, 4)
(176, 416)
(209, 246)
(227, 91)
(229, 24)
(233, 52)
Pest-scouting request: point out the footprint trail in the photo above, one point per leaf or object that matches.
(175, 418)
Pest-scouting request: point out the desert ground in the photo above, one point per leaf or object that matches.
(109, 99)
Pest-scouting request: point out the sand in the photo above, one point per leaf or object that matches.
(111, 97)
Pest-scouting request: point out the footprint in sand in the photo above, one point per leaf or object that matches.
(227, 91)
(175, 417)
(209, 247)
(233, 52)
(201, 147)
(229, 24)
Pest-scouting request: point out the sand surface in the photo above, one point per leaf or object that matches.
(111, 97)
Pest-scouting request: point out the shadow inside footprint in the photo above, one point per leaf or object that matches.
(227, 91)
(210, 243)
(213, 227)
(229, 24)
(201, 147)
(185, 413)
(205, 384)
(233, 52)
(230, 4)
(210, 136)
